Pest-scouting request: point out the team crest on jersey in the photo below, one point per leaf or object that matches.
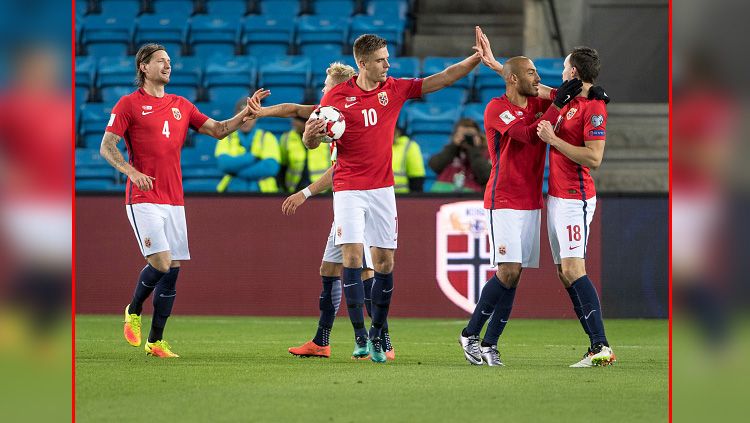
(463, 252)
(146, 108)
(176, 113)
(501, 250)
(383, 98)
(339, 231)
(571, 113)
(147, 242)
(597, 120)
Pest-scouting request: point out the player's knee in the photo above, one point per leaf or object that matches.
(160, 264)
(563, 279)
(509, 275)
(571, 274)
(368, 274)
(330, 269)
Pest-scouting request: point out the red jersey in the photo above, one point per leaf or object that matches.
(364, 152)
(154, 130)
(580, 120)
(517, 167)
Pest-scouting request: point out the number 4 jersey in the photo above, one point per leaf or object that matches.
(365, 150)
(154, 130)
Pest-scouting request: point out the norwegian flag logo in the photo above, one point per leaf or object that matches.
(463, 252)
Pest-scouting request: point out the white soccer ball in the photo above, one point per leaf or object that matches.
(335, 123)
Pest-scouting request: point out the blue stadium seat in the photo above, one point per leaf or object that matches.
(165, 30)
(487, 94)
(126, 9)
(475, 111)
(200, 185)
(319, 63)
(388, 9)
(266, 36)
(185, 77)
(94, 118)
(314, 31)
(94, 185)
(91, 159)
(205, 144)
(431, 118)
(281, 8)
(333, 8)
(107, 35)
(82, 8)
(199, 164)
(225, 78)
(430, 144)
(113, 93)
(226, 8)
(458, 92)
(211, 36)
(391, 30)
(114, 78)
(179, 10)
(404, 67)
(275, 125)
(487, 78)
(219, 109)
(289, 70)
(550, 70)
(95, 173)
(85, 75)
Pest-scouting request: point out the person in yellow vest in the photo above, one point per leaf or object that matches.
(408, 167)
(299, 166)
(249, 158)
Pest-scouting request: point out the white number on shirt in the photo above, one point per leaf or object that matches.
(165, 130)
(371, 117)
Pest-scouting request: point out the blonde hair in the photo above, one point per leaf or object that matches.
(340, 72)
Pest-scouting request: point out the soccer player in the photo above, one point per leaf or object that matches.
(577, 139)
(364, 199)
(154, 125)
(513, 196)
(331, 266)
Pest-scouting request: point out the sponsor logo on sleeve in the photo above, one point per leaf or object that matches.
(597, 133)
(111, 119)
(597, 120)
(507, 117)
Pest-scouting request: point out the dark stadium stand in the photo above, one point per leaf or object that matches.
(222, 50)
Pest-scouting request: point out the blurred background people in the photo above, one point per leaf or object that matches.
(463, 164)
(300, 166)
(408, 167)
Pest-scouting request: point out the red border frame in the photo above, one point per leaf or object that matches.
(73, 209)
(670, 210)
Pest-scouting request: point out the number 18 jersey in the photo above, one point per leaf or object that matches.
(364, 152)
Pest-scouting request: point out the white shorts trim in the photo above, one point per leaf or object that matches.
(568, 222)
(159, 227)
(334, 254)
(514, 236)
(366, 215)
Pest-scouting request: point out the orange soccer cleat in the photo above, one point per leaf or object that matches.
(311, 349)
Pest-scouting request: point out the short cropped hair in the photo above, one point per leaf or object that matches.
(340, 72)
(586, 61)
(367, 44)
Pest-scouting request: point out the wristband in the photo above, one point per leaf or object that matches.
(306, 192)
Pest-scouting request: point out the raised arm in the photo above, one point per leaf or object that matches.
(450, 74)
(221, 129)
(111, 153)
(287, 110)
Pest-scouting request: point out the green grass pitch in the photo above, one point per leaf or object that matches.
(237, 369)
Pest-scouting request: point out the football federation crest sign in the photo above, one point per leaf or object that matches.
(463, 252)
(383, 98)
(571, 113)
(176, 113)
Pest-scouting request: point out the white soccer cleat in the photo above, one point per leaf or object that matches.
(491, 356)
(598, 355)
(470, 345)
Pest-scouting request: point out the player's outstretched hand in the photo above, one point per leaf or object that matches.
(254, 110)
(545, 131)
(597, 93)
(142, 181)
(314, 130)
(567, 92)
(292, 202)
(484, 50)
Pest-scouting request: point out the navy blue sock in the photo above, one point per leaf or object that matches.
(579, 310)
(354, 290)
(368, 295)
(330, 298)
(500, 316)
(485, 306)
(591, 309)
(382, 290)
(146, 283)
(164, 295)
